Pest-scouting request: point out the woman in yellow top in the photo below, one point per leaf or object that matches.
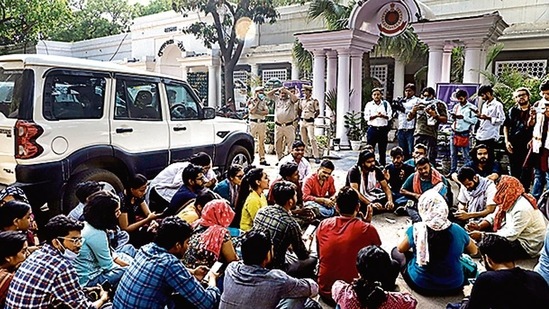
(251, 197)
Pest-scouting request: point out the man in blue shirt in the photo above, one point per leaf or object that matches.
(464, 118)
(156, 273)
(193, 182)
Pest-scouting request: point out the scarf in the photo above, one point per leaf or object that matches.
(509, 190)
(216, 215)
(436, 177)
(478, 201)
(433, 210)
(368, 183)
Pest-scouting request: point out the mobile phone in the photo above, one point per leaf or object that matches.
(216, 267)
(308, 232)
(106, 285)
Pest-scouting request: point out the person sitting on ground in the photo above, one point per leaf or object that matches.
(96, 263)
(164, 186)
(433, 266)
(17, 215)
(13, 251)
(135, 215)
(425, 178)
(367, 179)
(483, 163)
(396, 173)
(252, 197)
(211, 240)
(503, 285)
(516, 218)
(319, 190)
(476, 195)
(157, 279)
(83, 190)
(420, 151)
(367, 291)
(303, 215)
(251, 277)
(193, 182)
(285, 232)
(192, 212)
(230, 186)
(47, 278)
(11, 193)
(297, 156)
(339, 239)
(542, 267)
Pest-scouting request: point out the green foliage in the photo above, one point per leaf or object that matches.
(154, 7)
(303, 57)
(508, 81)
(405, 47)
(95, 18)
(353, 124)
(269, 136)
(22, 20)
(335, 15)
(458, 61)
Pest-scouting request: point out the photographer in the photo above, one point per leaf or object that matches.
(428, 113)
(403, 106)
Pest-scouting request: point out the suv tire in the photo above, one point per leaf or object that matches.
(96, 174)
(238, 155)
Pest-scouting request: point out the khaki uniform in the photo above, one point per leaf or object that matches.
(285, 115)
(258, 126)
(309, 109)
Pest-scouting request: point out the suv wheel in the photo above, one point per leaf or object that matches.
(238, 155)
(96, 174)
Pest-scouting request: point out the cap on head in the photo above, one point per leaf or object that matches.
(307, 87)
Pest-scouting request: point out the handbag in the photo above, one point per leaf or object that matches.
(461, 140)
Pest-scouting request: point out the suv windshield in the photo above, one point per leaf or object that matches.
(11, 83)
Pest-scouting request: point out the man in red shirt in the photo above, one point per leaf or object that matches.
(319, 190)
(339, 239)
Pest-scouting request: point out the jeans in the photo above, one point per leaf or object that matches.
(454, 154)
(405, 139)
(113, 276)
(325, 212)
(541, 179)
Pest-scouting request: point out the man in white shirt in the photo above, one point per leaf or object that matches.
(297, 156)
(378, 113)
(476, 195)
(405, 133)
(491, 118)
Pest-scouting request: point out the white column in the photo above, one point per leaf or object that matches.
(482, 79)
(319, 70)
(356, 81)
(254, 69)
(184, 72)
(472, 63)
(331, 75)
(212, 86)
(398, 85)
(295, 71)
(435, 63)
(446, 64)
(219, 88)
(342, 94)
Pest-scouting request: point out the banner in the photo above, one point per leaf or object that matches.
(447, 92)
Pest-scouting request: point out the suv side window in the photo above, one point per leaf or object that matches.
(137, 100)
(68, 96)
(182, 104)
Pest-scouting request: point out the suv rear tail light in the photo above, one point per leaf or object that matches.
(26, 134)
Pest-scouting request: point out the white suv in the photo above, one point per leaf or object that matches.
(66, 120)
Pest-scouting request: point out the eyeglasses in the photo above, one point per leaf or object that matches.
(77, 241)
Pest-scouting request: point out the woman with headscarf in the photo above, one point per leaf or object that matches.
(211, 241)
(516, 218)
(433, 267)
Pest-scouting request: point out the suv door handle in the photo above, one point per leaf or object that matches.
(180, 128)
(124, 130)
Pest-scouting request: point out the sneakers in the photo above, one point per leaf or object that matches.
(264, 163)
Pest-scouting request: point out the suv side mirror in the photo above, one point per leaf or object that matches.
(208, 112)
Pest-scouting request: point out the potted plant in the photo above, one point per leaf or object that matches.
(353, 122)
(322, 142)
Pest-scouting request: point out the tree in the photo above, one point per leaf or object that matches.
(222, 32)
(95, 18)
(21, 21)
(154, 7)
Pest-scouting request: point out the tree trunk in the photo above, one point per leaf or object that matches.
(229, 81)
(367, 81)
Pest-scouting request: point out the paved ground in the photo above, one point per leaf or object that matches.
(390, 233)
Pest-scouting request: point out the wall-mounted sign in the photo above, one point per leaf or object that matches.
(170, 42)
(393, 18)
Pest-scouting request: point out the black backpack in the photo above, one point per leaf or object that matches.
(543, 202)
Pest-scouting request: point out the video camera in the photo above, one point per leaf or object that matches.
(397, 105)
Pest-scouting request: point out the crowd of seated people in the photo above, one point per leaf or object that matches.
(184, 223)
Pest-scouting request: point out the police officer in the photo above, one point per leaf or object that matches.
(258, 109)
(285, 115)
(309, 108)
